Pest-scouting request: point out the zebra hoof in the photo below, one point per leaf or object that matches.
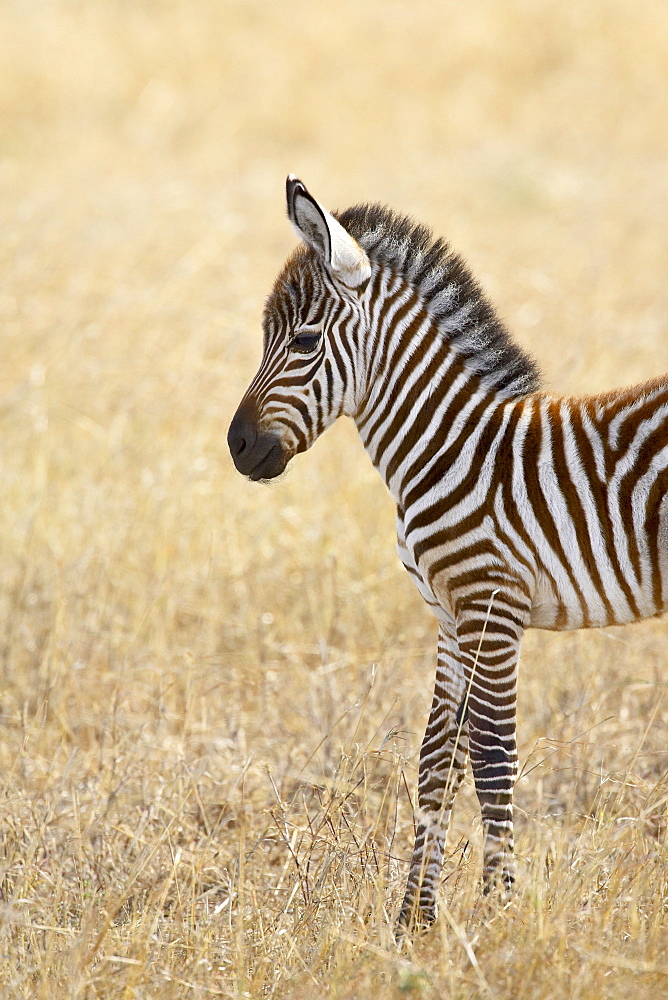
(415, 917)
(499, 884)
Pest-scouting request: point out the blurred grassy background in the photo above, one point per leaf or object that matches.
(213, 693)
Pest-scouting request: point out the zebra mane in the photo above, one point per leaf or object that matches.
(451, 293)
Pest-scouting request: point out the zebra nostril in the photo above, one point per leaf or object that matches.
(238, 442)
(241, 436)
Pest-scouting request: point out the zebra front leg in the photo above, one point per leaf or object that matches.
(442, 765)
(489, 633)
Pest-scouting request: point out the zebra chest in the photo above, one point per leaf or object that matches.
(418, 570)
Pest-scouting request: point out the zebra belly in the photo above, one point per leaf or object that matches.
(549, 610)
(561, 600)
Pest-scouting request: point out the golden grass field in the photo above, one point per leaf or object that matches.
(213, 692)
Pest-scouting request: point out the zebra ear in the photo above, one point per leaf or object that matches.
(344, 257)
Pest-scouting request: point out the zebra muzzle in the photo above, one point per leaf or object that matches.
(256, 454)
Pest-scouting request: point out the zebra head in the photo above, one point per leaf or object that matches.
(313, 324)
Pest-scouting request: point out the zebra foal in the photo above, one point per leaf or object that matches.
(515, 508)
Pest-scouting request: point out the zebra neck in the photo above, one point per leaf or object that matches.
(436, 358)
(423, 400)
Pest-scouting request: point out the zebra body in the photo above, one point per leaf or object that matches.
(573, 555)
(515, 508)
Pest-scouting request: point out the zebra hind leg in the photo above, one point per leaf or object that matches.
(490, 648)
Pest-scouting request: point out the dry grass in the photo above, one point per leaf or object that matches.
(213, 693)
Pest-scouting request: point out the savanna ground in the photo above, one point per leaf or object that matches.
(213, 693)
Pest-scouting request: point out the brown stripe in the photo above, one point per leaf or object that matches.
(455, 406)
(574, 505)
(541, 509)
(392, 362)
(657, 497)
(638, 412)
(409, 424)
(601, 496)
(644, 455)
(438, 472)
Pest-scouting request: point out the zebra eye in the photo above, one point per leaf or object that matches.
(306, 341)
